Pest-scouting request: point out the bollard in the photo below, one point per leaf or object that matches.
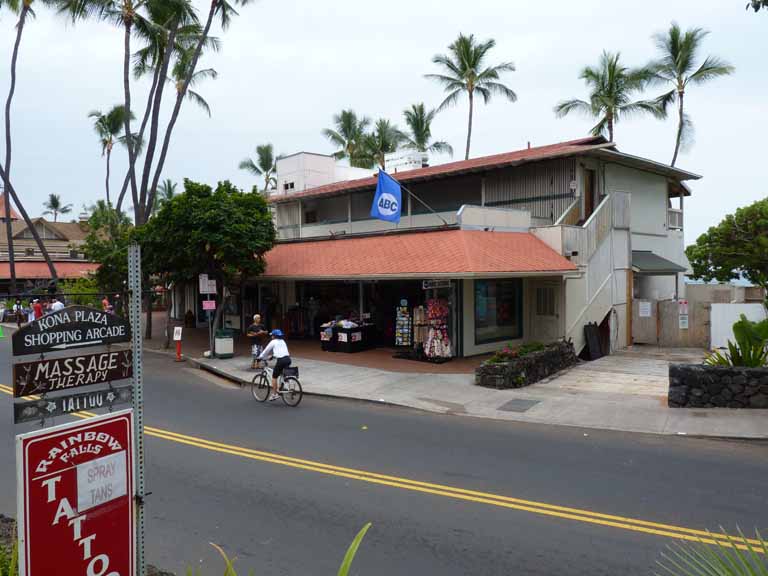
(178, 351)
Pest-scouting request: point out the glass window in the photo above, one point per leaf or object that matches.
(498, 310)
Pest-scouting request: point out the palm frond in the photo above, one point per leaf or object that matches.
(441, 147)
(712, 67)
(500, 89)
(199, 100)
(249, 165)
(567, 106)
(449, 100)
(651, 107)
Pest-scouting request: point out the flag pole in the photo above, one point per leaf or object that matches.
(427, 206)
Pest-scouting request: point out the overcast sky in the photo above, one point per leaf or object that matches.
(286, 66)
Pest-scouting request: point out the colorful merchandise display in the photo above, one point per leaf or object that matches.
(438, 344)
(403, 332)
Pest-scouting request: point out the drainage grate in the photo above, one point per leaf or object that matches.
(518, 405)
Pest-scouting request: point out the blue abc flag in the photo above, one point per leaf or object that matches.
(387, 200)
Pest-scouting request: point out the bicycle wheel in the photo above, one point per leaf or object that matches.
(291, 391)
(260, 387)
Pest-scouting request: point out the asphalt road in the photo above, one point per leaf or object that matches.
(460, 496)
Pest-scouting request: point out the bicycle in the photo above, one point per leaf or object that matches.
(289, 386)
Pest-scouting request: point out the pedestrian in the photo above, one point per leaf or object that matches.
(56, 304)
(258, 336)
(30, 311)
(37, 308)
(278, 349)
(105, 305)
(18, 310)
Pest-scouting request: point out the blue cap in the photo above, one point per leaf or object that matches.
(277, 333)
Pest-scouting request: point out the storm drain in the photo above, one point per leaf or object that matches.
(519, 405)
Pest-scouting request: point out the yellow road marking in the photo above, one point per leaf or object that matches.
(541, 508)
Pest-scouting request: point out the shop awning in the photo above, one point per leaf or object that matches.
(649, 264)
(39, 270)
(424, 254)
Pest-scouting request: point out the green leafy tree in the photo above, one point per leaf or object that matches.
(757, 5)
(108, 128)
(419, 135)
(677, 67)
(55, 206)
(348, 134)
(264, 166)
(611, 89)
(223, 232)
(384, 139)
(82, 291)
(109, 235)
(736, 247)
(464, 70)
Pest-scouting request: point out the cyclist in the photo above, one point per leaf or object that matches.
(278, 349)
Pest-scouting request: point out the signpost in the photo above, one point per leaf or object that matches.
(58, 374)
(75, 498)
(51, 407)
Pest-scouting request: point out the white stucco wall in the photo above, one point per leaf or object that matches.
(649, 197)
(670, 246)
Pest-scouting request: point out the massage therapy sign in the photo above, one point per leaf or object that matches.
(76, 507)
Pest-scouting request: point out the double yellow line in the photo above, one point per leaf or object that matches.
(540, 508)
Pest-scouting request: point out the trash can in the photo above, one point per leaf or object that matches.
(224, 343)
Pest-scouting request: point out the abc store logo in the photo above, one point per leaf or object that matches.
(387, 205)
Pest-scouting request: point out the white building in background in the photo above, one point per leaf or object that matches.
(405, 160)
(305, 170)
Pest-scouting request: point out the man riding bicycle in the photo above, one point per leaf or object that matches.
(278, 349)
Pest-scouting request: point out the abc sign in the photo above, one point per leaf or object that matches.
(388, 205)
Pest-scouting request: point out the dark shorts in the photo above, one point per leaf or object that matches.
(280, 365)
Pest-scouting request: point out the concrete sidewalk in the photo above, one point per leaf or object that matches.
(626, 392)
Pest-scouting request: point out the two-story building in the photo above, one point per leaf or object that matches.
(526, 245)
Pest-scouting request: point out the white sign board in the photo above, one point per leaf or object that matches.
(206, 285)
(645, 309)
(683, 304)
(101, 480)
(177, 333)
(683, 321)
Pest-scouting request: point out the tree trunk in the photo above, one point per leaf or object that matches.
(469, 124)
(179, 98)
(680, 95)
(128, 22)
(7, 177)
(168, 300)
(610, 127)
(140, 136)
(109, 153)
(148, 304)
(153, 127)
(28, 221)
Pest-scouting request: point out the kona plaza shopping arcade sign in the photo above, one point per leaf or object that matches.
(75, 498)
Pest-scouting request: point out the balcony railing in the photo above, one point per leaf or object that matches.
(674, 219)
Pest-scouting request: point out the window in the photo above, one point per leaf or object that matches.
(288, 186)
(310, 217)
(545, 301)
(498, 310)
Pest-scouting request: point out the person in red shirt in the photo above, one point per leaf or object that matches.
(37, 308)
(105, 305)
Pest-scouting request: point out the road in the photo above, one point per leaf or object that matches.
(285, 490)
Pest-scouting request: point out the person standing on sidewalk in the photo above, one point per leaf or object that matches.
(56, 304)
(259, 336)
(37, 308)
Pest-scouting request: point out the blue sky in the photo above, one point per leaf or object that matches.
(286, 66)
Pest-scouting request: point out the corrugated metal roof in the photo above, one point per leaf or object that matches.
(646, 262)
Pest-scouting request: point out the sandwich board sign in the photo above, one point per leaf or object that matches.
(75, 497)
(70, 327)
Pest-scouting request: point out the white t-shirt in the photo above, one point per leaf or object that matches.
(277, 348)
(56, 306)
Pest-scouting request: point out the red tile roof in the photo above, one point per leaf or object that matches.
(453, 253)
(14, 214)
(569, 148)
(38, 270)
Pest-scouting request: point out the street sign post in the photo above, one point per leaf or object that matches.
(58, 374)
(71, 327)
(75, 498)
(52, 406)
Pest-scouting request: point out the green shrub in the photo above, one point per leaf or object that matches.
(750, 349)
(9, 561)
(510, 352)
(732, 556)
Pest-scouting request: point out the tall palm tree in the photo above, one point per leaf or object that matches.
(54, 206)
(677, 66)
(611, 88)
(464, 70)
(181, 70)
(265, 165)
(419, 135)
(348, 135)
(384, 139)
(108, 128)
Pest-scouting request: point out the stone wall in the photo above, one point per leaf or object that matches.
(700, 386)
(527, 369)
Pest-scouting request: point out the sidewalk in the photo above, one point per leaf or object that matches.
(625, 392)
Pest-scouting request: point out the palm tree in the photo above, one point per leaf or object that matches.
(349, 135)
(180, 72)
(676, 66)
(611, 87)
(464, 71)
(265, 165)
(165, 193)
(419, 133)
(384, 139)
(54, 206)
(108, 128)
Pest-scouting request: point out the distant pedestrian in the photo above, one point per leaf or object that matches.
(30, 312)
(105, 305)
(18, 310)
(56, 304)
(37, 308)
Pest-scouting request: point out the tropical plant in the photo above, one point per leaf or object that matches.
(108, 128)
(54, 206)
(719, 556)
(180, 72)
(165, 193)
(265, 166)
(750, 349)
(677, 67)
(757, 5)
(384, 139)
(348, 134)
(81, 291)
(611, 89)
(419, 135)
(9, 560)
(464, 70)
